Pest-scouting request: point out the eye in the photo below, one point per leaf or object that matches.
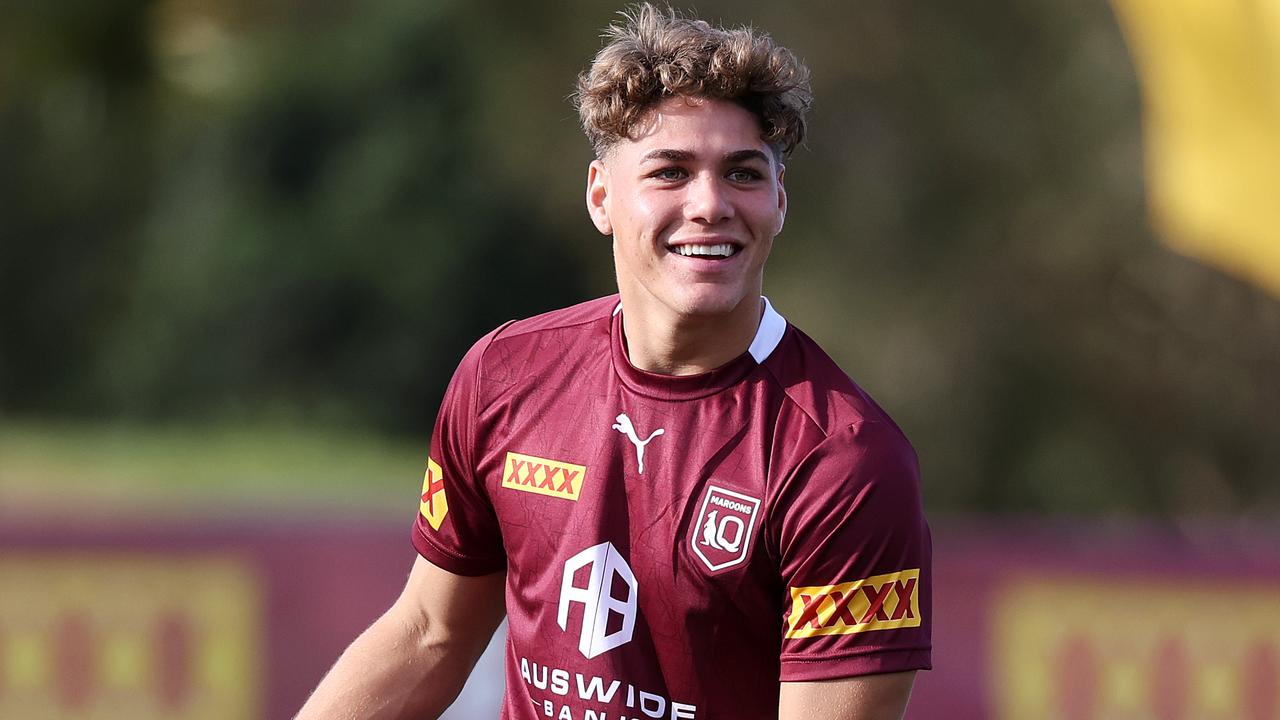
(744, 175)
(668, 174)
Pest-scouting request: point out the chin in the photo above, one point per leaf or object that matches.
(709, 304)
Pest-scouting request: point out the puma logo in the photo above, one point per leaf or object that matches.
(624, 426)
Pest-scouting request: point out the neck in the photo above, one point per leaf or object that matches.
(662, 341)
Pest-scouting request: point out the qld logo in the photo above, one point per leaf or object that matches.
(721, 535)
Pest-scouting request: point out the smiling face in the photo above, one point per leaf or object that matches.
(693, 205)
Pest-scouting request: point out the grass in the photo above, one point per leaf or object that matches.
(63, 468)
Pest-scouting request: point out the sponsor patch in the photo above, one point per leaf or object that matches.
(542, 476)
(721, 534)
(600, 605)
(434, 503)
(881, 602)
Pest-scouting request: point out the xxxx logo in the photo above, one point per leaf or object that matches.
(434, 505)
(543, 476)
(882, 602)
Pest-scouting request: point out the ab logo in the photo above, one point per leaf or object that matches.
(599, 605)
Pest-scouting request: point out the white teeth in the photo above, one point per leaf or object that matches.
(722, 250)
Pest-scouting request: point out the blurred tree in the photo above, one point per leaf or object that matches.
(75, 172)
(319, 243)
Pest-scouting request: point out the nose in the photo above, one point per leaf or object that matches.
(707, 200)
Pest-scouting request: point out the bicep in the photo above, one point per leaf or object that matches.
(866, 697)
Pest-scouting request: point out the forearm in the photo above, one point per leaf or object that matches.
(394, 669)
(413, 661)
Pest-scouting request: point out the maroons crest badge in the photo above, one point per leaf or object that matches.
(721, 534)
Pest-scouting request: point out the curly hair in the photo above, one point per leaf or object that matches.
(655, 55)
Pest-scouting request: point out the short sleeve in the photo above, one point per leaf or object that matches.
(456, 528)
(854, 553)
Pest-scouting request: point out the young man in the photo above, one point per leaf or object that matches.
(685, 508)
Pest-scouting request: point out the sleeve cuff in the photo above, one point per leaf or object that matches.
(798, 669)
(456, 564)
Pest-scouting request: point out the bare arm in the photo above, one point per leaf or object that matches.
(868, 697)
(413, 661)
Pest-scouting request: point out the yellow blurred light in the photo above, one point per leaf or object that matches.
(1125, 687)
(1217, 688)
(124, 661)
(123, 603)
(1128, 627)
(1210, 73)
(26, 661)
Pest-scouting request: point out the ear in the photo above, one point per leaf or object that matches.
(782, 197)
(598, 197)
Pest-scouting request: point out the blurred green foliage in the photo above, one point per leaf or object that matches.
(240, 212)
(180, 471)
(293, 222)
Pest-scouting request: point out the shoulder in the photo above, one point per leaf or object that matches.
(817, 389)
(537, 352)
(537, 335)
(591, 312)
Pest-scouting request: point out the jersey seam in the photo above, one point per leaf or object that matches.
(771, 547)
(475, 409)
(786, 393)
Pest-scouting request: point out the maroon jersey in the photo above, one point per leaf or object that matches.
(676, 545)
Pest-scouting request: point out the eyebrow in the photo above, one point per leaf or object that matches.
(668, 155)
(684, 155)
(745, 155)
